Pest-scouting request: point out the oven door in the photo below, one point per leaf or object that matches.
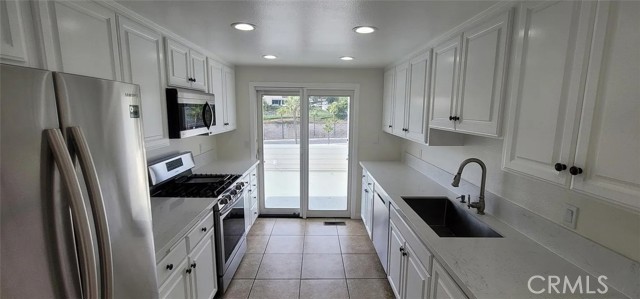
(232, 229)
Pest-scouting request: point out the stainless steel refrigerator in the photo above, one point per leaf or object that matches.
(74, 201)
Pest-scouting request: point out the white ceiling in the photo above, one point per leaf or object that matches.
(309, 33)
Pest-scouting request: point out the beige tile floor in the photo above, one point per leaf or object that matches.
(296, 258)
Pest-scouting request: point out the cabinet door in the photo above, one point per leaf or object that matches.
(198, 65)
(442, 285)
(13, 47)
(363, 203)
(396, 260)
(178, 286)
(87, 39)
(400, 99)
(143, 64)
(609, 138)
(416, 277)
(417, 102)
(482, 76)
(178, 72)
(204, 276)
(550, 50)
(215, 79)
(387, 100)
(230, 99)
(444, 83)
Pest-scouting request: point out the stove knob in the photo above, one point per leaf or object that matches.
(239, 186)
(233, 192)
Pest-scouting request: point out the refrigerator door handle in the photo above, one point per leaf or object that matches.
(81, 222)
(98, 209)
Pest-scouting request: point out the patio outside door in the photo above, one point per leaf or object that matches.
(303, 138)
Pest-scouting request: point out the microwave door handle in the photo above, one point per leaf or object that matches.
(204, 114)
(81, 222)
(98, 209)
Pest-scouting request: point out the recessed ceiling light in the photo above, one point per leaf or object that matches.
(269, 57)
(347, 58)
(243, 26)
(364, 29)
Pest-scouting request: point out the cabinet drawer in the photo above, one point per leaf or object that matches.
(171, 263)
(423, 254)
(199, 231)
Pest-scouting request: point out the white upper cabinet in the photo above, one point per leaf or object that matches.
(405, 99)
(85, 39)
(178, 64)
(222, 84)
(215, 78)
(444, 83)
(13, 48)
(387, 100)
(416, 107)
(550, 53)
(185, 67)
(198, 63)
(229, 120)
(574, 115)
(469, 78)
(143, 64)
(609, 134)
(482, 79)
(400, 99)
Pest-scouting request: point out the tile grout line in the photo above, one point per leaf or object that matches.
(344, 268)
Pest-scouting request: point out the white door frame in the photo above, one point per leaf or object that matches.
(256, 107)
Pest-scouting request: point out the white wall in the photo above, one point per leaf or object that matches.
(611, 226)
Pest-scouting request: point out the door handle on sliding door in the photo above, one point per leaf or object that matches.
(81, 221)
(98, 209)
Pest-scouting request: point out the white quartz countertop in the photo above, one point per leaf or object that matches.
(491, 268)
(174, 217)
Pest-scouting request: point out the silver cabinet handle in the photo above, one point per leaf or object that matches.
(81, 222)
(99, 211)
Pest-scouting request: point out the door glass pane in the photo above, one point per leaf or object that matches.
(328, 152)
(281, 145)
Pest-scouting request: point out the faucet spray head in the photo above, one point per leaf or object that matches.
(456, 180)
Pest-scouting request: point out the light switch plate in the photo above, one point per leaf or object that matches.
(570, 216)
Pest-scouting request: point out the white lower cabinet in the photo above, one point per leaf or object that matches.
(203, 276)
(178, 286)
(408, 270)
(366, 206)
(195, 275)
(442, 285)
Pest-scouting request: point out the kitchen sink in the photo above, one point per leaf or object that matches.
(449, 220)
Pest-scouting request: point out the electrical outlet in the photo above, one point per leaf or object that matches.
(570, 216)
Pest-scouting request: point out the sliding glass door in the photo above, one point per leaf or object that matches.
(304, 145)
(327, 158)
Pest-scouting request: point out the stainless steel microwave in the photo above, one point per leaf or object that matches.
(189, 113)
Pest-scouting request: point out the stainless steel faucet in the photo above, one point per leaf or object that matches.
(479, 205)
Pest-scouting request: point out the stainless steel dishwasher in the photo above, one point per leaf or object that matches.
(381, 228)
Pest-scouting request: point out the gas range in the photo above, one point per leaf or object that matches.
(172, 177)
